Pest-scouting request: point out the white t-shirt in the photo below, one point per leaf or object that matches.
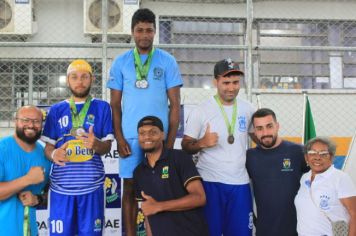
(327, 188)
(223, 163)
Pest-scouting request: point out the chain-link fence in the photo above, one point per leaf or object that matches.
(285, 47)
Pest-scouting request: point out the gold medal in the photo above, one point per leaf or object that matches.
(230, 139)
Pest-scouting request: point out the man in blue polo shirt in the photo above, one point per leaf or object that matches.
(142, 80)
(23, 174)
(275, 167)
(168, 184)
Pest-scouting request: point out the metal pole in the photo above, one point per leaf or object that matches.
(104, 40)
(30, 84)
(248, 42)
(304, 113)
(351, 146)
(259, 105)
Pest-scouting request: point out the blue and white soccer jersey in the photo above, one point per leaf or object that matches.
(76, 179)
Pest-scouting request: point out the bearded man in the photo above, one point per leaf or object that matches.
(23, 174)
(275, 167)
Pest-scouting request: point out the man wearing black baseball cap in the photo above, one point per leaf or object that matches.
(168, 184)
(218, 130)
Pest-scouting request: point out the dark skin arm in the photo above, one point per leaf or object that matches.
(174, 101)
(194, 198)
(115, 103)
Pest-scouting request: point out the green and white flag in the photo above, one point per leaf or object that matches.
(309, 127)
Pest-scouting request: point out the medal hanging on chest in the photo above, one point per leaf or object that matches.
(230, 139)
(230, 126)
(77, 131)
(78, 118)
(142, 69)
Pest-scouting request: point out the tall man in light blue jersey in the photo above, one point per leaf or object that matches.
(23, 173)
(142, 80)
(77, 132)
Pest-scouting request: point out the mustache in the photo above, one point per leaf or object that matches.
(267, 136)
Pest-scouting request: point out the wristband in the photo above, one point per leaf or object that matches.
(52, 154)
(40, 199)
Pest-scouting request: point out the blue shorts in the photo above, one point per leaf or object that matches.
(228, 209)
(76, 214)
(128, 164)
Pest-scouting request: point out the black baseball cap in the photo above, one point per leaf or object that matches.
(225, 67)
(150, 120)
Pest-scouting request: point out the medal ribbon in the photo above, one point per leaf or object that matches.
(78, 118)
(230, 127)
(142, 70)
(26, 222)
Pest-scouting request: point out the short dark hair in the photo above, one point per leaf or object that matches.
(143, 15)
(324, 140)
(263, 112)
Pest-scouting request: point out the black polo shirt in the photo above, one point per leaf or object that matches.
(167, 181)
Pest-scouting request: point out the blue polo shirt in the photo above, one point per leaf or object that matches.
(163, 75)
(15, 163)
(167, 180)
(275, 175)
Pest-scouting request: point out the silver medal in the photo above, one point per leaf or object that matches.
(144, 83)
(80, 131)
(138, 83)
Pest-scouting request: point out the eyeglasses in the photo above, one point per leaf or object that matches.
(322, 154)
(27, 121)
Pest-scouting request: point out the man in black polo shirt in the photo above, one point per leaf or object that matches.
(168, 184)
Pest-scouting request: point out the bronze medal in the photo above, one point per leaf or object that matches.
(230, 139)
(73, 132)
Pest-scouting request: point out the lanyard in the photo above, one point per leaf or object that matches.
(26, 221)
(142, 70)
(78, 118)
(230, 127)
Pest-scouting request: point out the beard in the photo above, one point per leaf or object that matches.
(83, 94)
(148, 150)
(268, 144)
(29, 140)
(153, 148)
